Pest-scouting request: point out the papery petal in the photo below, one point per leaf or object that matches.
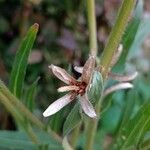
(62, 74)
(68, 88)
(78, 69)
(116, 55)
(123, 78)
(87, 106)
(58, 104)
(117, 87)
(88, 70)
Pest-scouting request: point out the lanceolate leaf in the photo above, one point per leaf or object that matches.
(73, 119)
(20, 63)
(133, 132)
(130, 36)
(31, 95)
(14, 140)
(128, 39)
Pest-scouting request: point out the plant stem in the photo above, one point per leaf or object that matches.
(125, 13)
(91, 124)
(112, 44)
(4, 100)
(90, 133)
(18, 105)
(92, 26)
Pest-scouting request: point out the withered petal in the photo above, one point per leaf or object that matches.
(116, 87)
(87, 106)
(68, 88)
(58, 104)
(62, 74)
(88, 69)
(78, 69)
(123, 78)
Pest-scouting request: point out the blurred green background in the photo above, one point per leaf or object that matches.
(63, 40)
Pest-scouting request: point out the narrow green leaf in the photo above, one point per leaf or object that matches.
(20, 64)
(31, 95)
(130, 36)
(127, 42)
(134, 131)
(15, 140)
(19, 141)
(73, 119)
(131, 96)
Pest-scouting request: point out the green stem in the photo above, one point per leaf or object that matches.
(18, 105)
(113, 42)
(10, 108)
(4, 100)
(125, 13)
(92, 26)
(32, 135)
(91, 124)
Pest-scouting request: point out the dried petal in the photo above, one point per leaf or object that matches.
(123, 78)
(62, 74)
(88, 70)
(68, 88)
(58, 104)
(116, 87)
(116, 55)
(87, 106)
(78, 69)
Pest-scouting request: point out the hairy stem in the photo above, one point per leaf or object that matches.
(92, 26)
(112, 44)
(125, 13)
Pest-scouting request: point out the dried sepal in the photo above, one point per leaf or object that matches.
(123, 78)
(62, 74)
(116, 55)
(58, 104)
(87, 106)
(88, 70)
(116, 87)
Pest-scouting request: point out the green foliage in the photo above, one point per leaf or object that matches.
(73, 119)
(21, 61)
(30, 96)
(124, 116)
(134, 131)
(15, 140)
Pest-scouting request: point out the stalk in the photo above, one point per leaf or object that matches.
(91, 124)
(4, 100)
(92, 26)
(125, 12)
(23, 111)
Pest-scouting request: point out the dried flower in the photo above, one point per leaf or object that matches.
(75, 88)
(123, 79)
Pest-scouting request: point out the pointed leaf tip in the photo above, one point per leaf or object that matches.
(35, 26)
